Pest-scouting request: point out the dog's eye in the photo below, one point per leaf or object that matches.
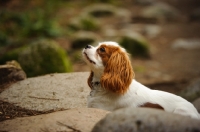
(102, 49)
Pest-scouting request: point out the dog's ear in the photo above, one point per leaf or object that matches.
(118, 73)
(89, 81)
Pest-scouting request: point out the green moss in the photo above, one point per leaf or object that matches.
(85, 23)
(135, 46)
(43, 57)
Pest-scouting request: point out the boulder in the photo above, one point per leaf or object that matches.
(187, 44)
(100, 10)
(146, 120)
(43, 57)
(76, 120)
(49, 92)
(107, 10)
(192, 92)
(135, 44)
(152, 31)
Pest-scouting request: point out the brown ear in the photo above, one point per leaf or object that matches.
(89, 81)
(118, 73)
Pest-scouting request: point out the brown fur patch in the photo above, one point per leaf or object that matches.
(118, 73)
(89, 81)
(151, 105)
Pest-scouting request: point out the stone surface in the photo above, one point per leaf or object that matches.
(196, 104)
(160, 11)
(152, 31)
(146, 120)
(50, 92)
(76, 120)
(192, 92)
(10, 73)
(187, 44)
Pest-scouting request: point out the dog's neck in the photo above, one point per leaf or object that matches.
(97, 74)
(96, 77)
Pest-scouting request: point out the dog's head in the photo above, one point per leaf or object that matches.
(111, 62)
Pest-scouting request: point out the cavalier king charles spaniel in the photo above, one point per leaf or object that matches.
(113, 85)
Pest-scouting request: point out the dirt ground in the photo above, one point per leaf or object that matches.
(177, 67)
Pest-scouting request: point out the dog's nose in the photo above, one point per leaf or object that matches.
(88, 47)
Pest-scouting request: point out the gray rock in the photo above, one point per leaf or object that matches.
(152, 31)
(107, 10)
(192, 92)
(146, 120)
(76, 120)
(161, 12)
(50, 92)
(196, 104)
(187, 44)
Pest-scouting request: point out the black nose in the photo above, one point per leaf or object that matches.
(88, 47)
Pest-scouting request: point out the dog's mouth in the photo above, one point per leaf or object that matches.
(89, 59)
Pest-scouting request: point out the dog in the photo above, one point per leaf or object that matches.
(113, 85)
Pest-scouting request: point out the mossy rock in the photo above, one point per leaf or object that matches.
(135, 45)
(83, 38)
(43, 57)
(100, 10)
(83, 23)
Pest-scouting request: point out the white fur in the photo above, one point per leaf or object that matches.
(136, 95)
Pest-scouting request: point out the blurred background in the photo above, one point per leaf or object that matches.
(162, 36)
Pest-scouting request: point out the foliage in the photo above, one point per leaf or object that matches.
(30, 22)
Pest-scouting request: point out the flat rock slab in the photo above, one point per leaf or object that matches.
(50, 92)
(77, 120)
